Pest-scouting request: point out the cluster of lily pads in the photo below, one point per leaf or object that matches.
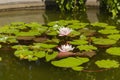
(64, 43)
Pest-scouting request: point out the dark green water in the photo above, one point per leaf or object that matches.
(11, 68)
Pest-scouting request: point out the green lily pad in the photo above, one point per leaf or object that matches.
(107, 63)
(78, 42)
(108, 31)
(78, 68)
(114, 36)
(70, 62)
(86, 47)
(23, 54)
(102, 41)
(40, 54)
(113, 51)
(0, 58)
(47, 46)
(51, 56)
(99, 24)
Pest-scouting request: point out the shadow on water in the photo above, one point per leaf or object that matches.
(11, 68)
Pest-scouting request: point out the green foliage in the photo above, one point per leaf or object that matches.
(108, 31)
(8, 39)
(0, 59)
(113, 51)
(51, 56)
(114, 36)
(70, 62)
(113, 6)
(42, 45)
(99, 24)
(86, 47)
(20, 47)
(107, 63)
(78, 68)
(40, 54)
(0, 46)
(71, 5)
(102, 41)
(78, 42)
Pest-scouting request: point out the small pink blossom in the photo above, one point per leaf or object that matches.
(63, 31)
(65, 48)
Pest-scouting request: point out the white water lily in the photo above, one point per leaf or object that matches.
(63, 31)
(65, 48)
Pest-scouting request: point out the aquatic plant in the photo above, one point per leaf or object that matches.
(78, 42)
(114, 36)
(108, 31)
(64, 31)
(103, 41)
(0, 58)
(65, 48)
(107, 63)
(70, 62)
(86, 47)
(114, 51)
(69, 46)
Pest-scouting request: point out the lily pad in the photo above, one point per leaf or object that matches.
(40, 54)
(42, 45)
(78, 68)
(102, 41)
(107, 63)
(113, 51)
(114, 36)
(86, 47)
(51, 56)
(0, 58)
(70, 62)
(78, 42)
(108, 31)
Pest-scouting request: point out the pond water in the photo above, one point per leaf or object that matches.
(11, 68)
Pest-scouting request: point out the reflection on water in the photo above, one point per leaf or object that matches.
(22, 16)
(11, 68)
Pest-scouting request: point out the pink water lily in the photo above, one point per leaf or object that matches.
(63, 31)
(65, 48)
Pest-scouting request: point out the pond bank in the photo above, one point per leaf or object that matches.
(35, 4)
(21, 4)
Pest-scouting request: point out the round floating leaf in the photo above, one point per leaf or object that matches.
(101, 41)
(114, 51)
(20, 47)
(51, 56)
(108, 31)
(40, 54)
(78, 42)
(0, 59)
(23, 54)
(70, 62)
(114, 36)
(0, 46)
(78, 68)
(107, 63)
(86, 47)
(43, 45)
(98, 24)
